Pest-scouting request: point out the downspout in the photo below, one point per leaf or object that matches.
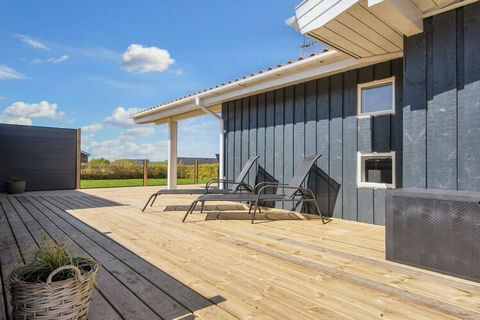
(221, 164)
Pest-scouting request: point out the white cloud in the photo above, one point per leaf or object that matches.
(122, 148)
(36, 44)
(121, 117)
(94, 127)
(7, 73)
(92, 52)
(145, 59)
(139, 131)
(22, 113)
(53, 60)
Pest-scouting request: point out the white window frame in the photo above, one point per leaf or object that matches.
(374, 84)
(361, 173)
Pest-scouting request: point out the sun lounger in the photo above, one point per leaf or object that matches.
(232, 186)
(291, 192)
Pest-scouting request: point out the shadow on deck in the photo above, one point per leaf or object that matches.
(128, 286)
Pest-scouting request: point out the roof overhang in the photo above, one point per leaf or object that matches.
(317, 66)
(364, 28)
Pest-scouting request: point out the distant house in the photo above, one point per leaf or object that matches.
(191, 160)
(84, 157)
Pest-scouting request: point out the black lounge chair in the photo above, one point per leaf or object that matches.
(291, 192)
(233, 186)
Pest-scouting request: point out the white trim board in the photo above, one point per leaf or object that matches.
(295, 73)
(361, 172)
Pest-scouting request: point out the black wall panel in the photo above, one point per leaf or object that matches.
(44, 157)
(318, 116)
(441, 118)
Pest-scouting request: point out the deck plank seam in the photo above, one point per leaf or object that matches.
(24, 254)
(467, 308)
(213, 303)
(11, 230)
(53, 239)
(418, 299)
(309, 234)
(128, 250)
(112, 274)
(108, 239)
(315, 247)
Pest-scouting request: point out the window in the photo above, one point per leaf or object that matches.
(376, 98)
(376, 170)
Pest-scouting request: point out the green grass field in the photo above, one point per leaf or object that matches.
(87, 184)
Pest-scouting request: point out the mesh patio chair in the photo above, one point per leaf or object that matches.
(291, 192)
(233, 186)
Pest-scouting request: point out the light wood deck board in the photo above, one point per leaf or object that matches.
(248, 267)
(282, 269)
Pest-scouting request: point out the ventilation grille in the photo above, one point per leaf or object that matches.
(441, 235)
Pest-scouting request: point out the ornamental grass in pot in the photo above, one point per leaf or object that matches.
(53, 285)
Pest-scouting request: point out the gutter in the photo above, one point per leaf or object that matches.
(240, 83)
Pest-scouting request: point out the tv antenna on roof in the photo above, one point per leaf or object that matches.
(309, 47)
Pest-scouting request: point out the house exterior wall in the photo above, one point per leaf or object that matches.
(319, 116)
(45, 157)
(442, 102)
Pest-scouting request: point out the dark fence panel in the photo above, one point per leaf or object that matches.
(45, 157)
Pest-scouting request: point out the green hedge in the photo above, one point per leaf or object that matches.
(128, 169)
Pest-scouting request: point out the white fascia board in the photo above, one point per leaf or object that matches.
(214, 101)
(314, 14)
(404, 15)
(275, 72)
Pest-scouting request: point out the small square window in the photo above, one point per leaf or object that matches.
(376, 170)
(377, 97)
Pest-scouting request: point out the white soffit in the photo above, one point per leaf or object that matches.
(364, 28)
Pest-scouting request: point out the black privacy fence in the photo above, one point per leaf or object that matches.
(103, 173)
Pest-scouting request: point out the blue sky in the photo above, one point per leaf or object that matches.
(88, 64)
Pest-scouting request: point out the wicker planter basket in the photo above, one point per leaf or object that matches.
(66, 299)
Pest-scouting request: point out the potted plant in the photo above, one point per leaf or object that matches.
(15, 185)
(53, 285)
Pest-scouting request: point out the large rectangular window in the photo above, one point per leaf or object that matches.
(376, 170)
(376, 98)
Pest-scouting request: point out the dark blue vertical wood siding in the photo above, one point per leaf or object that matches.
(318, 116)
(441, 118)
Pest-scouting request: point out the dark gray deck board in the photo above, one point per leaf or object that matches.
(155, 302)
(180, 292)
(129, 287)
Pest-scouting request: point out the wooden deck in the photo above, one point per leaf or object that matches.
(219, 266)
